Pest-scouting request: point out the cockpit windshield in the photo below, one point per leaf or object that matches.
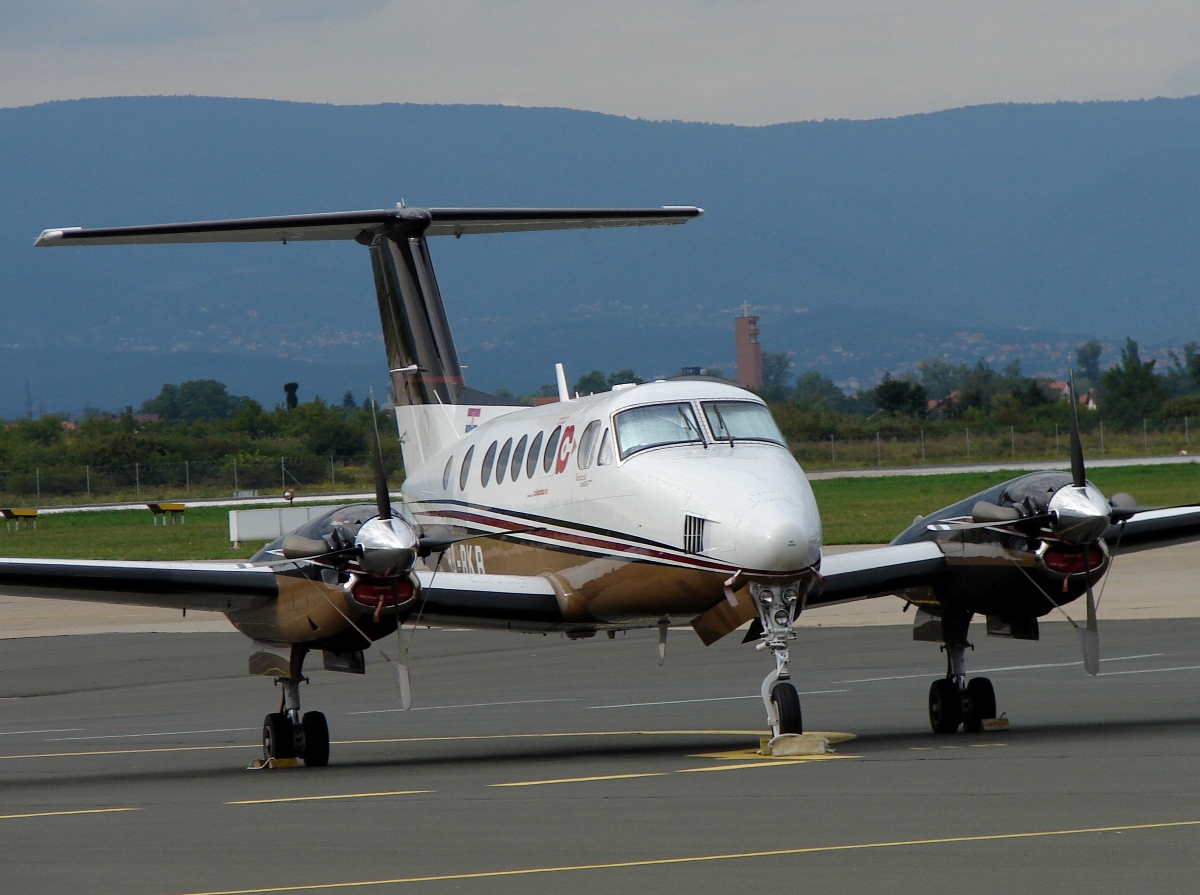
(658, 424)
(741, 421)
(337, 528)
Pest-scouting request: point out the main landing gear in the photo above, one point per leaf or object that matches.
(287, 733)
(777, 608)
(954, 701)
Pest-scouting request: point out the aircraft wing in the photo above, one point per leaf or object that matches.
(878, 571)
(493, 600)
(364, 226)
(1154, 528)
(214, 586)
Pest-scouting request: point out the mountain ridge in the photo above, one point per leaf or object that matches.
(863, 245)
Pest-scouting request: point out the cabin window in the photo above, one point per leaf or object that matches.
(446, 474)
(741, 421)
(502, 461)
(658, 424)
(485, 471)
(587, 442)
(518, 456)
(551, 447)
(605, 456)
(535, 450)
(466, 469)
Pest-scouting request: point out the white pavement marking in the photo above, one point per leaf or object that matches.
(632, 705)
(133, 736)
(1151, 670)
(13, 733)
(469, 705)
(904, 677)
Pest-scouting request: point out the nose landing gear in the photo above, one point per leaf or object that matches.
(778, 607)
(954, 701)
(289, 734)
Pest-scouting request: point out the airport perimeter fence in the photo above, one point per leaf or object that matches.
(1155, 438)
(190, 478)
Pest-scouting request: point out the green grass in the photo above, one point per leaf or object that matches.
(875, 510)
(127, 534)
(853, 510)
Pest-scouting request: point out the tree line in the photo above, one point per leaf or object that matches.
(196, 421)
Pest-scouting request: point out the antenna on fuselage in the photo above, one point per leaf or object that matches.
(563, 393)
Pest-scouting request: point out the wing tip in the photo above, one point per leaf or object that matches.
(53, 236)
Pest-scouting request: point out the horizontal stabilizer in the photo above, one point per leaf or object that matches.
(365, 226)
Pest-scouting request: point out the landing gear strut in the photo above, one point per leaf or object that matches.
(287, 733)
(954, 701)
(777, 607)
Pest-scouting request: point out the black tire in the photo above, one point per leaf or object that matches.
(278, 740)
(316, 740)
(983, 704)
(787, 708)
(945, 706)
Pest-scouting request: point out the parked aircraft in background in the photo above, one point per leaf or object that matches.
(646, 505)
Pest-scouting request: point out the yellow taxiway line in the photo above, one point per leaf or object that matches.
(64, 813)
(347, 795)
(583, 779)
(498, 736)
(697, 859)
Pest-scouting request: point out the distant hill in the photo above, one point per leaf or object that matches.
(997, 231)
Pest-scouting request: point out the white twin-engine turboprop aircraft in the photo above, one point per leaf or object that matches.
(645, 505)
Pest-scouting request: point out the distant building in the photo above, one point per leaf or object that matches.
(749, 352)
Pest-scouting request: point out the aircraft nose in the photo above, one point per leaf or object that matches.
(778, 537)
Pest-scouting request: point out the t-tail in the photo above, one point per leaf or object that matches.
(434, 405)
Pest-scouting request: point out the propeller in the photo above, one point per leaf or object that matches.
(1085, 516)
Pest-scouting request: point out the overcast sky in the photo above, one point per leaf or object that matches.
(744, 62)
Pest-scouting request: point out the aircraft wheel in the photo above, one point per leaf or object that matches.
(316, 740)
(787, 708)
(278, 741)
(945, 706)
(983, 704)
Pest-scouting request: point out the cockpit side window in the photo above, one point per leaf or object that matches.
(446, 474)
(466, 469)
(655, 425)
(605, 456)
(587, 442)
(741, 421)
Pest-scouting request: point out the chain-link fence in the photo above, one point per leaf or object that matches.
(194, 478)
(965, 445)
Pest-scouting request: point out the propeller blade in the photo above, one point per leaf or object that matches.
(403, 681)
(996, 526)
(383, 500)
(1089, 637)
(1078, 476)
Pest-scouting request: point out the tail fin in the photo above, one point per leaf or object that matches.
(422, 360)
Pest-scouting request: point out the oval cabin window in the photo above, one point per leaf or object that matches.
(502, 461)
(551, 447)
(518, 457)
(466, 469)
(485, 471)
(534, 450)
